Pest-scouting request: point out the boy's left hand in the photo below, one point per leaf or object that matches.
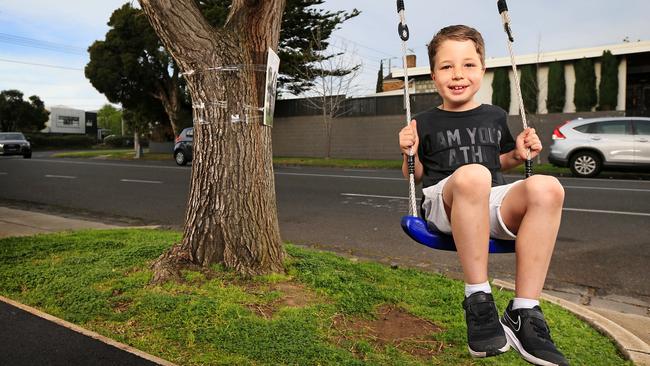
(528, 139)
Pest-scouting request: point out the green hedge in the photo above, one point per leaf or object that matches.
(44, 140)
(123, 141)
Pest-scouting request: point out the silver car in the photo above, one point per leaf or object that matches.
(15, 143)
(586, 146)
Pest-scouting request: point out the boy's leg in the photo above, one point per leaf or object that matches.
(466, 196)
(532, 209)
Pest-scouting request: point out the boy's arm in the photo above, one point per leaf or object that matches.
(510, 160)
(418, 168)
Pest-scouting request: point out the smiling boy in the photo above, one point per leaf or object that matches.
(461, 148)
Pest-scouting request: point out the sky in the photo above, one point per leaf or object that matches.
(43, 44)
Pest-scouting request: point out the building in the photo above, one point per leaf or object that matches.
(633, 76)
(65, 120)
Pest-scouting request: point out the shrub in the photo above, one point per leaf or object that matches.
(556, 88)
(501, 88)
(123, 141)
(529, 89)
(45, 140)
(585, 97)
(608, 87)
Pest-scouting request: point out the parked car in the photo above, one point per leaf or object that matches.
(588, 145)
(15, 143)
(183, 146)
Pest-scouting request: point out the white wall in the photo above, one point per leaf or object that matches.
(485, 93)
(66, 120)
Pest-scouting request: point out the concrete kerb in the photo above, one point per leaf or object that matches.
(631, 346)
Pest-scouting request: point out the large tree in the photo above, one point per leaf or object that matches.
(231, 215)
(110, 118)
(17, 114)
(130, 67)
(131, 63)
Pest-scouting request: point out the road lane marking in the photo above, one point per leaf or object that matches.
(60, 176)
(374, 196)
(126, 165)
(607, 212)
(609, 189)
(141, 181)
(4, 173)
(563, 209)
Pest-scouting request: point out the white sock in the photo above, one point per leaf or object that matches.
(471, 289)
(521, 303)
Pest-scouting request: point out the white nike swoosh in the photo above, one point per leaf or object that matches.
(517, 323)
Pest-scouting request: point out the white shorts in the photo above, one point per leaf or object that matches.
(435, 215)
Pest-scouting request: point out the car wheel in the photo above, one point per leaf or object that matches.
(179, 157)
(28, 155)
(585, 164)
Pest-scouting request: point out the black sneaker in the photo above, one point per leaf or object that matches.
(528, 333)
(485, 335)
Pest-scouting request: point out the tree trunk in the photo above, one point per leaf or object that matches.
(231, 213)
(167, 91)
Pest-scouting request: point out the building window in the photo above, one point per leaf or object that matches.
(67, 121)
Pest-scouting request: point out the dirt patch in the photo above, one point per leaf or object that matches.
(392, 326)
(294, 295)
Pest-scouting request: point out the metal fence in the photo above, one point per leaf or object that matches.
(357, 107)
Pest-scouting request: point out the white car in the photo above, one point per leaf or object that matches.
(587, 146)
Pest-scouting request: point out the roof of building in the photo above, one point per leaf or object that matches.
(565, 55)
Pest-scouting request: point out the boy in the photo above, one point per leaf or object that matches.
(460, 148)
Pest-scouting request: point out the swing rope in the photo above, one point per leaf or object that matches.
(413, 225)
(505, 18)
(403, 31)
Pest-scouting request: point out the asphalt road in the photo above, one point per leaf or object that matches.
(603, 248)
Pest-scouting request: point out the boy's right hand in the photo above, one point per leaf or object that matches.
(408, 138)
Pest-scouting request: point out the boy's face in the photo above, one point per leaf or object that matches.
(457, 74)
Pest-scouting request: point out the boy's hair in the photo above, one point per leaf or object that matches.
(456, 33)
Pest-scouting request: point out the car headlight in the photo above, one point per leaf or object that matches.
(2, 145)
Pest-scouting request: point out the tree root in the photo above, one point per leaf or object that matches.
(168, 266)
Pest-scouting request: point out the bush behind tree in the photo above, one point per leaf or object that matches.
(608, 87)
(46, 140)
(585, 97)
(529, 87)
(501, 88)
(556, 88)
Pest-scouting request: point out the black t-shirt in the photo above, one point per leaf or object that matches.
(449, 140)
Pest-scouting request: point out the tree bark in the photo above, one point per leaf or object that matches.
(231, 213)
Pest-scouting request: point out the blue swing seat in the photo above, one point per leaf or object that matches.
(419, 231)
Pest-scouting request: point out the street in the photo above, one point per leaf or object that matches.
(603, 248)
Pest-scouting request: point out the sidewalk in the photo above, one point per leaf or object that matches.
(30, 337)
(631, 332)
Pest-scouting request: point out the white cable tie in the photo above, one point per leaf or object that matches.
(199, 106)
(250, 107)
(187, 73)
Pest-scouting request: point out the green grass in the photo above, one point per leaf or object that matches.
(543, 169)
(293, 161)
(339, 163)
(118, 154)
(98, 279)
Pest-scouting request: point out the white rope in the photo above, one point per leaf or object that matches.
(413, 208)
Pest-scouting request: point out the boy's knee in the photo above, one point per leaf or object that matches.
(472, 178)
(544, 190)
